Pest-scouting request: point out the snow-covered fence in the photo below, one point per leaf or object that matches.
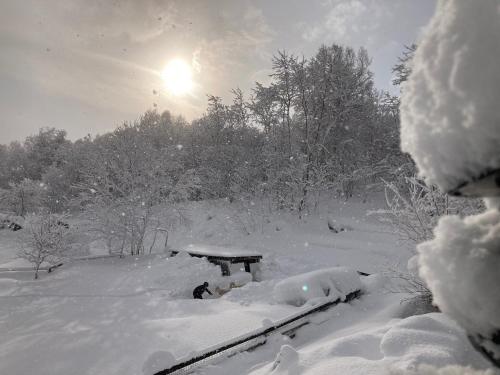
(253, 339)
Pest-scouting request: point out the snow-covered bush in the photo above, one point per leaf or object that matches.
(414, 207)
(333, 283)
(46, 240)
(449, 109)
(461, 266)
(450, 126)
(20, 199)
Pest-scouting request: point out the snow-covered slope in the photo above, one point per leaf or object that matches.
(367, 336)
(108, 316)
(120, 316)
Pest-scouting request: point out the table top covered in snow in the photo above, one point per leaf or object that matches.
(220, 252)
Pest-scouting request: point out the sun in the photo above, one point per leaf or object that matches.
(178, 77)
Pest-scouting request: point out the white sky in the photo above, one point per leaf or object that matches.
(87, 65)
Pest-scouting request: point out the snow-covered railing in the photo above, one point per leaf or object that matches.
(255, 338)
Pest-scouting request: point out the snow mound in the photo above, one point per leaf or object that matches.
(158, 361)
(399, 347)
(450, 122)
(183, 273)
(286, 361)
(375, 283)
(252, 292)
(460, 266)
(334, 283)
(447, 370)
(431, 339)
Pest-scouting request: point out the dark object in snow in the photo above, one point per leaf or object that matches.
(331, 227)
(52, 268)
(361, 273)
(486, 184)
(258, 337)
(63, 224)
(484, 344)
(334, 229)
(15, 227)
(224, 257)
(200, 289)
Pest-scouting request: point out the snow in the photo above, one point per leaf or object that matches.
(334, 283)
(363, 337)
(136, 314)
(158, 361)
(394, 347)
(108, 316)
(446, 370)
(450, 122)
(431, 339)
(460, 265)
(285, 242)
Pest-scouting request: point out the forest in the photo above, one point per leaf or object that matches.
(320, 128)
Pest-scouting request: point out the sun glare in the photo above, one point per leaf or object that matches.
(178, 77)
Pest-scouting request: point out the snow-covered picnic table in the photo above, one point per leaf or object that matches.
(225, 257)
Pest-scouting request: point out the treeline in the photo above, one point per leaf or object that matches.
(319, 126)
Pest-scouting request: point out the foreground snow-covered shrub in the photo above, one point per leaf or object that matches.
(449, 110)
(461, 267)
(334, 283)
(450, 126)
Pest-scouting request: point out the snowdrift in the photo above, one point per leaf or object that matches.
(333, 283)
(399, 347)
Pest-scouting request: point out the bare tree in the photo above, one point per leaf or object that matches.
(46, 240)
(415, 207)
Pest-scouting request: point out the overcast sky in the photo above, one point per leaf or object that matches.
(87, 65)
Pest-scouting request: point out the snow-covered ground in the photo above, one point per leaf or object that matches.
(110, 316)
(367, 336)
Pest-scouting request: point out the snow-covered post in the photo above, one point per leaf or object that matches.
(451, 127)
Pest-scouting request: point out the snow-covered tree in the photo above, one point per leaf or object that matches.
(46, 239)
(415, 207)
(22, 198)
(402, 69)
